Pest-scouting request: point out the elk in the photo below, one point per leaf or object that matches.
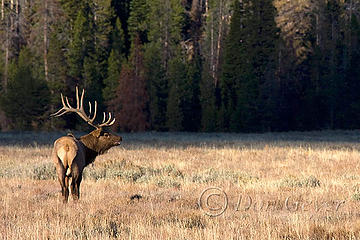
(71, 155)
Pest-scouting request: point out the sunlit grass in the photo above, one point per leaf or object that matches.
(279, 186)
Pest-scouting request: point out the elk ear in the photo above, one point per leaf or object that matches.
(96, 133)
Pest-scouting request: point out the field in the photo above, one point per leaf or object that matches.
(157, 186)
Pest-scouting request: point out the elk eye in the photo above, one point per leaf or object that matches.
(106, 134)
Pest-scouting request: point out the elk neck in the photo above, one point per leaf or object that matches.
(92, 150)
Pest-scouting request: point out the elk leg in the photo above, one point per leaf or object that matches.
(73, 189)
(76, 182)
(75, 185)
(64, 183)
(66, 188)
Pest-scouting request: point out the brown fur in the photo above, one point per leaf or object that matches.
(72, 155)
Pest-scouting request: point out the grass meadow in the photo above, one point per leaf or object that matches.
(156, 186)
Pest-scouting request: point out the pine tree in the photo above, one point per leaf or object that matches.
(249, 63)
(86, 54)
(191, 106)
(208, 102)
(264, 54)
(137, 22)
(114, 62)
(236, 70)
(27, 97)
(78, 48)
(57, 74)
(165, 25)
(113, 71)
(178, 84)
(71, 8)
(103, 35)
(157, 85)
(353, 75)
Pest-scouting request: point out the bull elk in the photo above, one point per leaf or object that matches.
(71, 155)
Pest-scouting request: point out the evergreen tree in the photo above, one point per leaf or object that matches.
(352, 75)
(157, 85)
(78, 47)
(332, 69)
(191, 104)
(111, 82)
(26, 98)
(118, 38)
(115, 60)
(122, 11)
(71, 8)
(248, 65)
(103, 35)
(58, 76)
(165, 26)
(208, 102)
(236, 70)
(176, 100)
(137, 22)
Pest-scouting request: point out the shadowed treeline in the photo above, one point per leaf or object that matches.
(189, 65)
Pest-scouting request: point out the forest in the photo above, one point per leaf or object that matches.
(182, 65)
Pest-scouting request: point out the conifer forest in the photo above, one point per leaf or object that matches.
(182, 65)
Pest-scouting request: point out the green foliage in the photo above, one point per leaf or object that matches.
(183, 99)
(111, 82)
(57, 72)
(114, 62)
(176, 101)
(91, 78)
(26, 98)
(157, 85)
(103, 31)
(249, 53)
(77, 47)
(191, 102)
(71, 8)
(208, 102)
(206, 65)
(118, 38)
(137, 23)
(166, 21)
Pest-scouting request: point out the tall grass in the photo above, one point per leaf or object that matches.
(278, 186)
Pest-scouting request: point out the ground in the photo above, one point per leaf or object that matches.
(158, 186)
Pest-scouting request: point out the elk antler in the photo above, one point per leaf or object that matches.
(81, 112)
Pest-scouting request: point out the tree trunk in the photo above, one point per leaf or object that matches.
(212, 51)
(46, 71)
(194, 9)
(218, 47)
(2, 9)
(6, 61)
(166, 53)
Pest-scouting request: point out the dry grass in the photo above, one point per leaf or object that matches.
(279, 186)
